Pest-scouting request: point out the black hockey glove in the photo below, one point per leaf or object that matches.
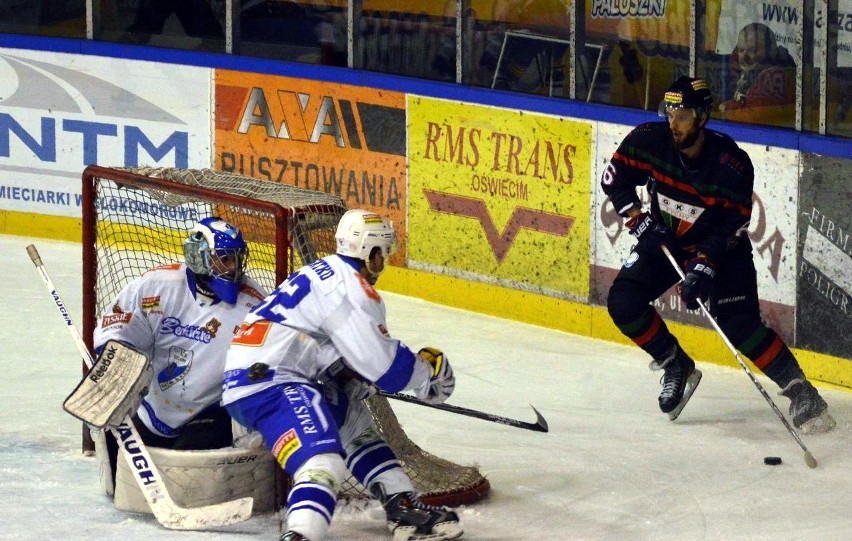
(697, 282)
(649, 233)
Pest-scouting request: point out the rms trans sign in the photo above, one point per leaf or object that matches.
(61, 112)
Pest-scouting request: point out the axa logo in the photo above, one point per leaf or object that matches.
(522, 218)
(291, 115)
(53, 108)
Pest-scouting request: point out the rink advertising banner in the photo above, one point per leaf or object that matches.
(824, 303)
(61, 112)
(499, 196)
(345, 140)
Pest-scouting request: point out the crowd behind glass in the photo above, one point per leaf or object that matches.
(515, 45)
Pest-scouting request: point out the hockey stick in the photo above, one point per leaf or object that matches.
(809, 458)
(149, 479)
(539, 426)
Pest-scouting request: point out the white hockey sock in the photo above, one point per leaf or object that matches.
(311, 502)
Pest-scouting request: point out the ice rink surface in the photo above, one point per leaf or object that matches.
(612, 466)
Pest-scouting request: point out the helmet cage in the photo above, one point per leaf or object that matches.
(216, 250)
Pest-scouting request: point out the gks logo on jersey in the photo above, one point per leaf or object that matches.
(150, 303)
(180, 363)
(680, 217)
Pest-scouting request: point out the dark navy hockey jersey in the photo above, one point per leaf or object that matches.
(706, 202)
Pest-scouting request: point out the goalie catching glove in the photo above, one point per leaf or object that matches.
(113, 388)
(443, 382)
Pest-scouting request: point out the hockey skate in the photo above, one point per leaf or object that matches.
(411, 520)
(680, 379)
(807, 408)
(293, 536)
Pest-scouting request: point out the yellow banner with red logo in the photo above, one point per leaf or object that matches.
(340, 139)
(500, 195)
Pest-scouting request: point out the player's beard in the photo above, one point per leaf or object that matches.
(683, 141)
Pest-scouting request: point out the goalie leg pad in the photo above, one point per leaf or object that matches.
(113, 388)
(205, 477)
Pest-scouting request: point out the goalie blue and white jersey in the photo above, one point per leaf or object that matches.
(183, 334)
(325, 311)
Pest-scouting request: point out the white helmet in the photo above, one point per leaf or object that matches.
(359, 231)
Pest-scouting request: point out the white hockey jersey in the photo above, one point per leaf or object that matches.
(184, 337)
(325, 311)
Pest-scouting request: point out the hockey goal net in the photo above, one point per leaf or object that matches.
(135, 219)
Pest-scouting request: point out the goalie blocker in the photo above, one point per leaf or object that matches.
(113, 388)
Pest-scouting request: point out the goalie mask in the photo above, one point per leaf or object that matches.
(360, 231)
(216, 252)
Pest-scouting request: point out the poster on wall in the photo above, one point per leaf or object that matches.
(824, 274)
(339, 139)
(60, 113)
(499, 196)
(782, 18)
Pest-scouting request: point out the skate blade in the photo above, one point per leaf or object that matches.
(691, 384)
(440, 532)
(820, 424)
(409, 533)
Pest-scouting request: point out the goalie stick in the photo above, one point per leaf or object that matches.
(539, 426)
(809, 458)
(149, 479)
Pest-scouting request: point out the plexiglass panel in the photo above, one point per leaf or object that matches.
(56, 18)
(196, 25)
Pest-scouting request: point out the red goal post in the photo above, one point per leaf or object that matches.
(137, 218)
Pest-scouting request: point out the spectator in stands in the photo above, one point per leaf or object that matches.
(765, 91)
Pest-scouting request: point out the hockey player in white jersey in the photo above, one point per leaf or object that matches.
(301, 364)
(183, 317)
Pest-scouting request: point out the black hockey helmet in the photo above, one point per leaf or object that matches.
(687, 93)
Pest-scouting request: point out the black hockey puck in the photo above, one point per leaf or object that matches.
(772, 460)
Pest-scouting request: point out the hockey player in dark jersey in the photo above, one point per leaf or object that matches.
(700, 187)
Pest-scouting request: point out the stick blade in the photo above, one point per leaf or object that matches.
(810, 460)
(541, 423)
(207, 517)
